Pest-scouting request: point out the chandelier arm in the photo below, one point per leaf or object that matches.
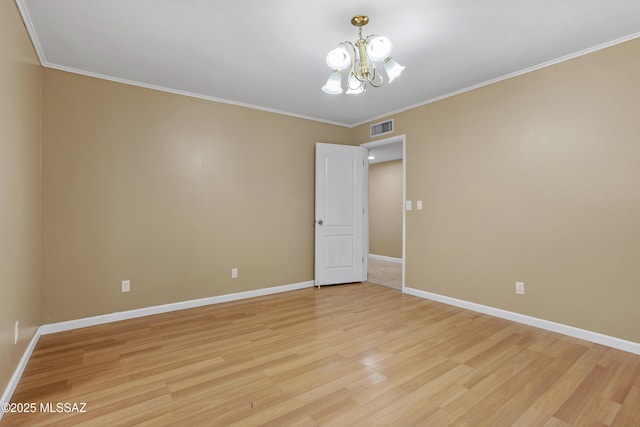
(362, 80)
(378, 74)
(353, 51)
(354, 71)
(353, 56)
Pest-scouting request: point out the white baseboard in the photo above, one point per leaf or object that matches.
(131, 314)
(165, 308)
(385, 258)
(15, 378)
(609, 341)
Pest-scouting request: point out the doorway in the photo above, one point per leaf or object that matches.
(386, 193)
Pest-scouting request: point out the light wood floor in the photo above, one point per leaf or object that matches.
(351, 355)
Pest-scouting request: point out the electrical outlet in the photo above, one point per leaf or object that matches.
(520, 288)
(16, 331)
(126, 285)
(234, 273)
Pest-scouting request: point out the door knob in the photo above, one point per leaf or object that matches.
(320, 222)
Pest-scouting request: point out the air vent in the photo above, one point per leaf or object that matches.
(382, 128)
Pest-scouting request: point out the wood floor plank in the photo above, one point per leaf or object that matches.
(345, 355)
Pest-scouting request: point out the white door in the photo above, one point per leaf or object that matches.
(339, 216)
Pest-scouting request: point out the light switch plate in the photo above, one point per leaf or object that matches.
(407, 205)
(419, 205)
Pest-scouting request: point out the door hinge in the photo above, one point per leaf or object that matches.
(363, 260)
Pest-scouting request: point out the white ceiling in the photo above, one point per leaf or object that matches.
(386, 152)
(270, 54)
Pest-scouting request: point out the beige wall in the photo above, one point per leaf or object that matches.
(169, 192)
(20, 92)
(385, 209)
(533, 179)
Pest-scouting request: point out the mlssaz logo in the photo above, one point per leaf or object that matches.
(63, 407)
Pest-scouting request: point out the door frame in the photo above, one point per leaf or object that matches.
(391, 140)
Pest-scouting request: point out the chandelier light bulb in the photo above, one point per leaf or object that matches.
(379, 48)
(339, 58)
(333, 85)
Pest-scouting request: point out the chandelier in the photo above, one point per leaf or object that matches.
(361, 59)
